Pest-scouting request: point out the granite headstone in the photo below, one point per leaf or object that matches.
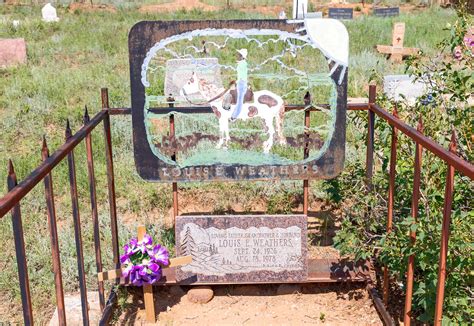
(12, 52)
(243, 248)
(387, 12)
(341, 13)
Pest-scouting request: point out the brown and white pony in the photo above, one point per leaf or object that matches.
(266, 105)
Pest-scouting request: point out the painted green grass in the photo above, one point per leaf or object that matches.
(68, 63)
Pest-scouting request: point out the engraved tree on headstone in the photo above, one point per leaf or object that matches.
(188, 245)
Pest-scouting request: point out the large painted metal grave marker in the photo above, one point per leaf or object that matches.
(191, 72)
(237, 248)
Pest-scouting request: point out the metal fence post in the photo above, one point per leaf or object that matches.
(173, 141)
(448, 201)
(391, 192)
(369, 165)
(110, 177)
(53, 234)
(20, 251)
(77, 230)
(414, 215)
(94, 211)
(307, 124)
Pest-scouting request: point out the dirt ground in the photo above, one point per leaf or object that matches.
(316, 304)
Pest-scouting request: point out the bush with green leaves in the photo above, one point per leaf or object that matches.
(445, 107)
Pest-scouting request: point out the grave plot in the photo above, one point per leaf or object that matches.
(237, 100)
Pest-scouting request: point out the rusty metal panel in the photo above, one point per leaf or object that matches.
(155, 153)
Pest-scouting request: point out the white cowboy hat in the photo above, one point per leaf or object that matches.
(243, 53)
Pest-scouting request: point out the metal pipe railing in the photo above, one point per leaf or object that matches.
(454, 163)
(11, 201)
(18, 192)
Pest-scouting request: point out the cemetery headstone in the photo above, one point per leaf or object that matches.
(253, 248)
(387, 12)
(403, 87)
(12, 52)
(49, 13)
(316, 14)
(341, 13)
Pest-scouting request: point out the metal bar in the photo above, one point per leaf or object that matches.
(110, 177)
(20, 251)
(458, 163)
(24, 187)
(109, 308)
(414, 215)
(391, 191)
(120, 111)
(370, 140)
(77, 230)
(379, 306)
(307, 122)
(53, 234)
(175, 184)
(206, 109)
(448, 201)
(95, 214)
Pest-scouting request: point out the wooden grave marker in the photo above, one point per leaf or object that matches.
(147, 288)
(397, 51)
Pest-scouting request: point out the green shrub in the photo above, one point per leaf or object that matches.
(363, 233)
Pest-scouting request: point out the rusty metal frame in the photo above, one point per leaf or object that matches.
(17, 191)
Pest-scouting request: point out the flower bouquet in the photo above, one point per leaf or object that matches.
(142, 261)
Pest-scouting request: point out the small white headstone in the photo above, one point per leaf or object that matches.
(49, 13)
(317, 14)
(398, 87)
(16, 23)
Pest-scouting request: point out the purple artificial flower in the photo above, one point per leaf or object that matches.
(141, 261)
(155, 277)
(133, 242)
(147, 240)
(153, 267)
(124, 259)
(126, 271)
(159, 254)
